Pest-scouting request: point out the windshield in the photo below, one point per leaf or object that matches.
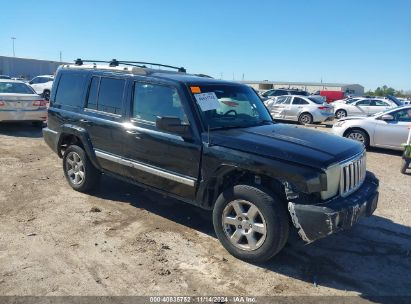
(15, 87)
(229, 106)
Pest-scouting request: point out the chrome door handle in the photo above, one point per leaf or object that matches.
(132, 132)
(84, 120)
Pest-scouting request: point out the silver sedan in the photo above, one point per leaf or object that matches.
(19, 102)
(304, 109)
(386, 130)
(362, 107)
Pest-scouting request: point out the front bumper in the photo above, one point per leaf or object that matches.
(317, 221)
(23, 115)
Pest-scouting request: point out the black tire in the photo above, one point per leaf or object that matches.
(405, 164)
(91, 176)
(273, 214)
(340, 114)
(46, 95)
(358, 135)
(305, 119)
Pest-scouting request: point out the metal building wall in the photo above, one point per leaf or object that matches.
(28, 68)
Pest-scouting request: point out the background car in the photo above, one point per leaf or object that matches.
(42, 85)
(347, 100)
(281, 92)
(4, 77)
(362, 107)
(304, 109)
(386, 130)
(19, 102)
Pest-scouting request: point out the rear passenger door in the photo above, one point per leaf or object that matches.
(161, 160)
(103, 118)
(295, 108)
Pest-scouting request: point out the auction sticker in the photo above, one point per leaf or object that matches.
(207, 101)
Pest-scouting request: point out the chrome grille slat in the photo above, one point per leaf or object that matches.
(353, 173)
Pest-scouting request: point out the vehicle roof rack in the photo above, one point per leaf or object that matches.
(140, 64)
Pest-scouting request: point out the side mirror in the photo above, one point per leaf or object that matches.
(387, 117)
(173, 125)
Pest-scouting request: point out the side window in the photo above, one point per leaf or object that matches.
(287, 101)
(281, 99)
(151, 101)
(380, 103)
(364, 102)
(70, 90)
(35, 80)
(403, 115)
(299, 101)
(106, 94)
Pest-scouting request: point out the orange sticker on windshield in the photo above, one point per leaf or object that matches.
(195, 90)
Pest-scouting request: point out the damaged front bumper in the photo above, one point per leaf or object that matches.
(317, 221)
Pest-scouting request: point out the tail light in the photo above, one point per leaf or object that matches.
(2, 103)
(40, 103)
(323, 108)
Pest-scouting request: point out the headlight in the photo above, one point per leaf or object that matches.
(339, 124)
(333, 181)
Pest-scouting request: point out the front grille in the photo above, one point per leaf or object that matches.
(352, 174)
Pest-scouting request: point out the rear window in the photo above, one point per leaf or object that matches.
(70, 90)
(316, 100)
(15, 87)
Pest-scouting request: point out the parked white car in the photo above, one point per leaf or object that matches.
(42, 85)
(386, 130)
(304, 109)
(347, 100)
(363, 107)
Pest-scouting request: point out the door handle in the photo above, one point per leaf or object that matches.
(133, 132)
(84, 120)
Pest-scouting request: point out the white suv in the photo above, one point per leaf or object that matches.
(42, 85)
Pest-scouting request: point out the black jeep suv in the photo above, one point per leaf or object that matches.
(210, 143)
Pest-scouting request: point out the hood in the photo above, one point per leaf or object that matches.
(289, 143)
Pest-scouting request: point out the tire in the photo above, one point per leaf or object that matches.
(46, 95)
(80, 173)
(305, 119)
(340, 114)
(405, 164)
(271, 217)
(359, 135)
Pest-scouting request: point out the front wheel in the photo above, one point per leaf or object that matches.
(250, 223)
(359, 136)
(78, 170)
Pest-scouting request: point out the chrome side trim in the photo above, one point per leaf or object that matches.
(51, 131)
(189, 181)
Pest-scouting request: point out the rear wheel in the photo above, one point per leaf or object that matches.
(358, 135)
(250, 223)
(340, 114)
(305, 119)
(78, 170)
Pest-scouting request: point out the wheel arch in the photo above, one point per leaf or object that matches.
(370, 141)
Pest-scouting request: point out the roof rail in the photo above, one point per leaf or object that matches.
(140, 64)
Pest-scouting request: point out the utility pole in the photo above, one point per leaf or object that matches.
(60, 57)
(12, 39)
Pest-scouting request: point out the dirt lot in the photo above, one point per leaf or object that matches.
(122, 240)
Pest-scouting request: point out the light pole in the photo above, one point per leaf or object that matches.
(12, 39)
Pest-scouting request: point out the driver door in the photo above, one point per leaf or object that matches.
(391, 134)
(278, 109)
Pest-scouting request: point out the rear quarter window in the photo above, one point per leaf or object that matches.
(70, 90)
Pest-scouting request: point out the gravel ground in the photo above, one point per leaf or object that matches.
(122, 240)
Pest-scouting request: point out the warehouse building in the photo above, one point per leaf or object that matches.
(27, 68)
(311, 87)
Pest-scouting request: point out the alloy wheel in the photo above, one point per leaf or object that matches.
(75, 168)
(244, 225)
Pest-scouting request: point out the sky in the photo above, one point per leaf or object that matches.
(362, 41)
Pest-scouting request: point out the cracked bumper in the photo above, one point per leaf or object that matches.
(317, 221)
